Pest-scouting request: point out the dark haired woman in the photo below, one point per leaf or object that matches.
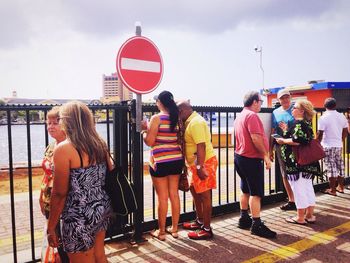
(166, 161)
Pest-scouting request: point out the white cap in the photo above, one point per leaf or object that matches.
(282, 92)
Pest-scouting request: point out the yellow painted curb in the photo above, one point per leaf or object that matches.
(294, 249)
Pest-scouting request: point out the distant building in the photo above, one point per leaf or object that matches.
(316, 92)
(113, 90)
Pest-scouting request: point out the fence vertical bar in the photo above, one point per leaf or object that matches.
(12, 194)
(30, 185)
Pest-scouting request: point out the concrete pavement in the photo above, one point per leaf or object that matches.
(326, 241)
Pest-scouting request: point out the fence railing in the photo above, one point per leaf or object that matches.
(22, 147)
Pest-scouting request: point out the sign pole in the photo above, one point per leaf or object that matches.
(138, 95)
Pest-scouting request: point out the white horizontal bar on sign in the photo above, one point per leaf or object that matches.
(140, 65)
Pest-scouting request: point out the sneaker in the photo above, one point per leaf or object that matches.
(192, 225)
(290, 206)
(262, 231)
(245, 222)
(201, 234)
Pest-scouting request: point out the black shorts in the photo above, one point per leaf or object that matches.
(167, 168)
(251, 171)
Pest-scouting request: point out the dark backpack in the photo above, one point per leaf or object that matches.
(121, 192)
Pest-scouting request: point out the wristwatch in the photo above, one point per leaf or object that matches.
(198, 166)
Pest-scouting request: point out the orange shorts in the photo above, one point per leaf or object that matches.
(209, 183)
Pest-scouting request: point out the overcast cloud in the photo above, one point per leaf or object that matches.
(61, 48)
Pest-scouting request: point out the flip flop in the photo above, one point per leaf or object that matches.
(292, 220)
(329, 192)
(170, 231)
(340, 191)
(157, 234)
(310, 221)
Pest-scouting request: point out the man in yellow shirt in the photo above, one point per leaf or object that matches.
(202, 164)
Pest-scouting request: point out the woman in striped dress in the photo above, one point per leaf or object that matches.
(166, 161)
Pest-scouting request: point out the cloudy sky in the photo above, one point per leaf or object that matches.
(61, 48)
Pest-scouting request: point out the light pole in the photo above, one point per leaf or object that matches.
(259, 49)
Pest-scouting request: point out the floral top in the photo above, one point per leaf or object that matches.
(300, 132)
(47, 181)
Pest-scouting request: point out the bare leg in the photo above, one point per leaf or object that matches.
(300, 215)
(86, 256)
(255, 206)
(310, 213)
(161, 186)
(207, 208)
(288, 189)
(197, 203)
(173, 184)
(244, 200)
(100, 255)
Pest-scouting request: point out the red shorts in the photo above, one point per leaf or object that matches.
(209, 183)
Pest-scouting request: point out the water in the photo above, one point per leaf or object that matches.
(37, 135)
(37, 139)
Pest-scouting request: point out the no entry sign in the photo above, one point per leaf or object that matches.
(140, 65)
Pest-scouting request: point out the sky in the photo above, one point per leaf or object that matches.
(60, 49)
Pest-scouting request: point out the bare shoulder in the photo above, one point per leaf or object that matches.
(64, 148)
(155, 119)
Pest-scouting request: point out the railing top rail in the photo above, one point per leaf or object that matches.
(49, 106)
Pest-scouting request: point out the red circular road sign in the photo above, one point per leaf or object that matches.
(140, 65)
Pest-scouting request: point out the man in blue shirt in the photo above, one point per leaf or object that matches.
(282, 114)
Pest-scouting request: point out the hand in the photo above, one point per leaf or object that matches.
(267, 162)
(41, 202)
(283, 126)
(52, 239)
(144, 124)
(272, 155)
(280, 141)
(202, 173)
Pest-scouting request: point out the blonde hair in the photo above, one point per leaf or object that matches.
(78, 123)
(308, 108)
(54, 113)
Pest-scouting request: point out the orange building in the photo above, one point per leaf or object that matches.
(315, 92)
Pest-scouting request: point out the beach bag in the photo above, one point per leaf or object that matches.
(183, 181)
(121, 191)
(309, 153)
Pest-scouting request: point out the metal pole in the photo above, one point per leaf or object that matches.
(137, 164)
(138, 96)
(259, 50)
(262, 69)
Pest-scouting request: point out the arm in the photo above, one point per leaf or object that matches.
(59, 191)
(319, 135)
(149, 137)
(258, 142)
(345, 133)
(201, 149)
(41, 202)
(288, 141)
(271, 144)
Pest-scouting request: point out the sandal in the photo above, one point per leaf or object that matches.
(292, 220)
(170, 231)
(329, 192)
(340, 190)
(157, 234)
(310, 221)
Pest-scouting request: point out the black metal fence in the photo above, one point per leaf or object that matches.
(22, 226)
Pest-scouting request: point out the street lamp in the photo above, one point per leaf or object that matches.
(259, 49)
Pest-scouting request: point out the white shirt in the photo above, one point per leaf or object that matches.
(332, 124)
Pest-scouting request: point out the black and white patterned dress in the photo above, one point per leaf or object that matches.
(87, 209)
